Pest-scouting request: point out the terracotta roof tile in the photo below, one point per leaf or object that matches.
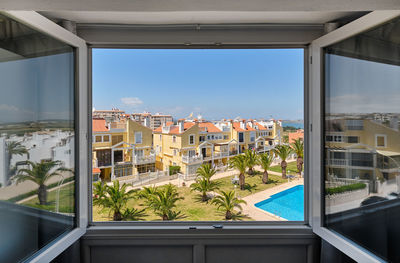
(99, 125)
(210, 127)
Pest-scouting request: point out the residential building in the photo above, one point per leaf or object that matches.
(149, 120)
(299, 134)
(112, 115)
(363, 149)
(190, 143)
(122, 148)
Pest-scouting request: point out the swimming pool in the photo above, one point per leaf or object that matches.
(288, 204)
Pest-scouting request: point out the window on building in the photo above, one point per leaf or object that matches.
(138, 137)
(352, 139)
(213, 113)
(241, 137)
(106, 138)
(98, 139)
(252, 136)
(191, 139)
(380, 140)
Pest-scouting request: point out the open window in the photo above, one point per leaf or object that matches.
(354, 147)
(43, 187)
(215, 125)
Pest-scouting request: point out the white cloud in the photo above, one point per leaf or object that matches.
(131, 101)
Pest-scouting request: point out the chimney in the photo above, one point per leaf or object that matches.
(181, 126)
(243, 125)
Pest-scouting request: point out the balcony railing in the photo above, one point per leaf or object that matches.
(144, 159)
(339, 162)
(192, 159)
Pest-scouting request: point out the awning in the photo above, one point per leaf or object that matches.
(388, 153)
(96, 170)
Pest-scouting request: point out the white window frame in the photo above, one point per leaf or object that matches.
(83, 155)
(141, 137)
(194, 139)
(360, 25)
(384, 140)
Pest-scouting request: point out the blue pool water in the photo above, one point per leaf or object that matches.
(288, 204)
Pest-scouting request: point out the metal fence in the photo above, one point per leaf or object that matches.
(147, 178)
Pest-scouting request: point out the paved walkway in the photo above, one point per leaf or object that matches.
(259, 214)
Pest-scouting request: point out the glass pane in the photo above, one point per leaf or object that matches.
(200, 134)
(37, 182)
(362, 139)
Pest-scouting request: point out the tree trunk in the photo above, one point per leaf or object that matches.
(117, 216)
(265, 177)
(228, 215)
(284, 165)
(204, 197)
(164, 217)
(42, 194)
(250, 172)
(299, 165)
(241, 181)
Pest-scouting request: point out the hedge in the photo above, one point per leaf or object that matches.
(174, 170)
(345, 188)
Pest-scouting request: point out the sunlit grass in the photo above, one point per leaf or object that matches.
(66, 204)
(290, 169)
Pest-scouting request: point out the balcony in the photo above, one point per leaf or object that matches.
(338, 162)
(144, 159)
(192, 159)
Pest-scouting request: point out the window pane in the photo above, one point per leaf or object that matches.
(37, 182)
(204, 118)
(362, 183)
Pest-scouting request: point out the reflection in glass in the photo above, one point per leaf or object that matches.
(362, 139)
(37, 190)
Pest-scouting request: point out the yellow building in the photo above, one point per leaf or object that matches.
(362, 149)
(122, 148)
(192, 142)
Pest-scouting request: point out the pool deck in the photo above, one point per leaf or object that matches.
(259, 214)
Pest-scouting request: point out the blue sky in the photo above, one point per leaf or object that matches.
(216, 83)
(39, 88)
(360, 86)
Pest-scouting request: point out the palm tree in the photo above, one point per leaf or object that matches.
(227, 202)
(14, 148)
(203, 182)
(163, 201)
(298, 149)
(265, 161)
(39, 173)
(239, 162)
(251, 160)
(115, 198)
(283, 151)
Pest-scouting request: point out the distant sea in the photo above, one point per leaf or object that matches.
(297, 125)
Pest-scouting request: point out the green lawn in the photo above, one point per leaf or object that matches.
(67, 200)
(193, 208)
(291, 168)
(253, 184)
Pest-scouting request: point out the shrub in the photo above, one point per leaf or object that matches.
(174, 170)
(345, 188)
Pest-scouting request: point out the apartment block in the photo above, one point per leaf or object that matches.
(121, 148)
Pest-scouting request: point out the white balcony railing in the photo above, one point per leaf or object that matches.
(339, 162)
(151, 158)
(192, 159)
